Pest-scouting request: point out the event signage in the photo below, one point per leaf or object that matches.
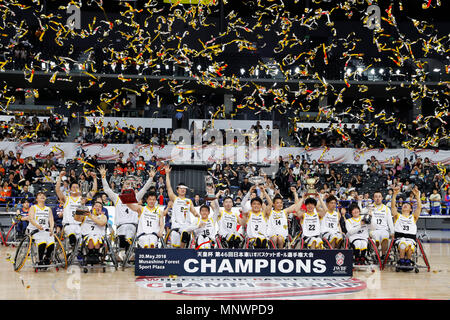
(243, 262)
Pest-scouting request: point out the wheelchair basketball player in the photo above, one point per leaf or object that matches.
(405, 227)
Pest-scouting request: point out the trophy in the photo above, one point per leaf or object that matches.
(310, 190)
(82, 210)
(209, 183)
(257, 180)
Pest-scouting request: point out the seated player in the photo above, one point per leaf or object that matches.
(278, 218)
(382, 224)
(181, 213)
(331, 228)
(358, 233)
(256, 221)
(125, 218)
(227, 221)
(71, 202)
(310, 222)
(40, 218)
(151, 221)
(93, 230)
(405, 227)
(204, 229)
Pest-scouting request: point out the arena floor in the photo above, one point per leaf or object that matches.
(73, 284)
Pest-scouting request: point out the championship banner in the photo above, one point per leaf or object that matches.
(242, 262)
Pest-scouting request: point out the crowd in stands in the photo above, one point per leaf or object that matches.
(30, 129)
(113, 133)
(21, 178)
(347, 182)
(345, 135)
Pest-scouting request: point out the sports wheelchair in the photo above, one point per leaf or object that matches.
(168, 239)
(392, 258)
(106, 256)
(72, 251)
(28, 248)
(327, 244)
(372, 257)
(13, 236)
(135, 244)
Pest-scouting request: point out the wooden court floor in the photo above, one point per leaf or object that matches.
(73, 284)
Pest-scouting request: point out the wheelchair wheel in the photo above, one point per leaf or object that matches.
(422, 252)
(128, 254)
(109, 249)
(270, 244)
(3, 242)
(373, 254)
(22, 253)
(326, 244)
(219, 242)
(11, 235)
(60, 257)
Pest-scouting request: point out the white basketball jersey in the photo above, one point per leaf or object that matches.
(256, 225)
(124, 214)
(70, 207)
(379, 218)
(354, 225)
(149, 220)
(311, 224)
(228, 222)
(209, 230)
(41, 216)
(278, 221)
(88, 226)
(405, 224)
(181, 212)
(330, 222)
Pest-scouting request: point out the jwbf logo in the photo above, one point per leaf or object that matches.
(340, 259)
(251, 287)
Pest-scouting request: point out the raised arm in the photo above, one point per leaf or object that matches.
(268, 208)
(58, 191)
(323, 210)
(90, 195)
(193, 211)
(246, 198)
(394, 211)
(148, 184)
(215, 206)
(298, 212)
(135, 207)
(416, 193)
(295, 206)
(170, 193)
(111, 194)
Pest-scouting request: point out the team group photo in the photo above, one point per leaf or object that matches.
(222, 150)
